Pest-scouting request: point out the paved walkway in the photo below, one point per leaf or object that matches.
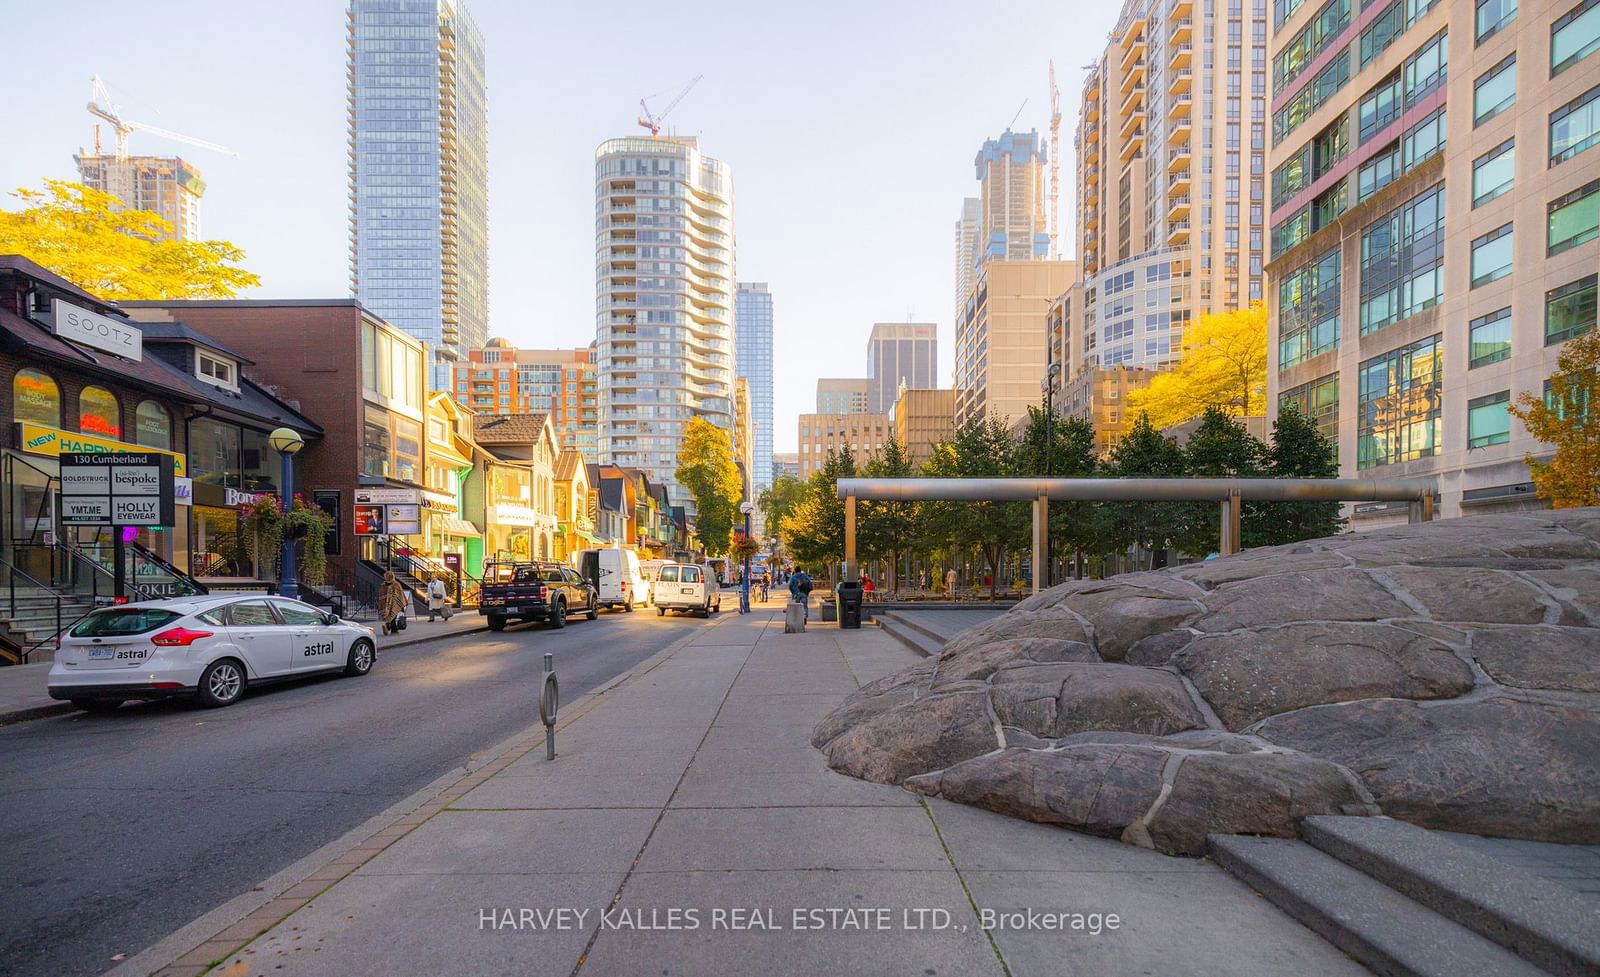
(687, 804)
(22, 687)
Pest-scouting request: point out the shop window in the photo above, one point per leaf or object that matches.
(407, 448)
(1574, 218)
(1488, 421)
(261, 467)
(152, 426)
(214, 453)
(35, 397)
(375, 444)
(99, 413)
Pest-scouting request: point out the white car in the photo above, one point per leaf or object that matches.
(208, 648)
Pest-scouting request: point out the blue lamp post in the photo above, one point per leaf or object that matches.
(287, 442)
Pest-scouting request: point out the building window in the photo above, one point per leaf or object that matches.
(375, 443)
(1574, 218)
(1428, 68)
(1378, 107)
(407, 447)
(35, 397)
(1494, 91)
(152, 426)
(1489, 337)
(1575, 36)
(1494, 172)
(1378, 172)
(1493, 15)
(214, 453)
(99, 413)
(1402, 261)
(1318, 400)
(1575, 126)
(1488, 421)
(1308, 310)
(1491, 256)
(1398, 411)
(1570, 310)
(218, 371)
(1423, 139)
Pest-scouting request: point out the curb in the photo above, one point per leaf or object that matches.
(196, 947)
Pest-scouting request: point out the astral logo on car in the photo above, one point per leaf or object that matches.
(321, 648)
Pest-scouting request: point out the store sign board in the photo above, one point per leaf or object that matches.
(117, 489)
(404, 519)
(40, 440)
(514, 515)
(100, 331)
(388, 496)
(369, 520)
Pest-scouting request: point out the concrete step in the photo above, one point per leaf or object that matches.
(914, 638)
(910, 621)
(1535, 918)
(1391, 935)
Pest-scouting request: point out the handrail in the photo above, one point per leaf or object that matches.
(12, 572)
(149, 556)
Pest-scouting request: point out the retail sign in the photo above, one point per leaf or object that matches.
(100, 331)
(388, 496)
(183, 491)
(236, 498)
(40, 440)
(514, 515)
(438, 502)
(123, 489)
(369, 520)
(404, 519)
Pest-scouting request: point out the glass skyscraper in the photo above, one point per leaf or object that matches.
(753, 360)
(419, 173)
(664, 299)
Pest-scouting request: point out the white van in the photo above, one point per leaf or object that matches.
(687, 587)
(650, 568)
(615, 574)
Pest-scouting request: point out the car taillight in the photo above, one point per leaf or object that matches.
(179, 637)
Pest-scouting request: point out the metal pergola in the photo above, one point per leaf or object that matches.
(1229, 493)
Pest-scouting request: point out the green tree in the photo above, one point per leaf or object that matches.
(778, 503)
(816, 527)
(89, 238)
(1062, 448)
(1298, 450)
(1219, 448)
(1565, 418)
(981, 448)
(1224, 364)
(1144, 453)
(706, 468)
(887, 528)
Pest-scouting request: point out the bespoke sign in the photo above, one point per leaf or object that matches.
(40, 440)
(99, 331)
(128, 489)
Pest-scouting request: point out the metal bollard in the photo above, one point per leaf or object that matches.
(549, 702)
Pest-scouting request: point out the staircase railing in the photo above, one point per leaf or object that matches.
(181, 585)
(63, 618)
(422, 568)
(338, 580)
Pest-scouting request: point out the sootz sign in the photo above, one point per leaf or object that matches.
(99, 331)
(117, 490)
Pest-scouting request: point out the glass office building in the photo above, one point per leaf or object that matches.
(419, 173)
(664, 299)
(753, 360)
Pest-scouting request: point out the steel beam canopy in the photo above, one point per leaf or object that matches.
(1138, 489)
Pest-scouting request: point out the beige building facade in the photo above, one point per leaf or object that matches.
(1100, 395)
(860, 434)
(1000, 339)
(165, 184)
(1435, 230)
(923, 418)
(843, 395)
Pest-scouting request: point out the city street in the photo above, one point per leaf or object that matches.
(121, 828)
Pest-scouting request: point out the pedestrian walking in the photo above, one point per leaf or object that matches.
(950, 582)
(437, 598)
(391, 603)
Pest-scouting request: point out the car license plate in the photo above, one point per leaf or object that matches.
(100, 654)
(685, 590)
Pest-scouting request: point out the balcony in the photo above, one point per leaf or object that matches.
(1180, 80)
(1133, 74)
(1132, 45)
(1179, 129)
(1178, 181)
(1181, 8)
(1177, 232)
(1091, 174)
(1133, 102)
(1181, 104)
(1178, 156)
(1091, 217)
(1181, 55)
(1133, 120)
(1133, 146)
(1178, 206)
(1182, 28)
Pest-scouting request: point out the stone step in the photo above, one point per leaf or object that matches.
(1391, 935)
(1535, 918)
(914, 638)
(934, 638)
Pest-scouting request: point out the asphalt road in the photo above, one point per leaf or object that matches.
(119, 829)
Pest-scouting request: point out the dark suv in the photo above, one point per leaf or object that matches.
(535, 592)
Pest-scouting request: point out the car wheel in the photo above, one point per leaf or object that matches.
(361, 658)
(594, 609)
(221, 684)
(661, 611)
(497, 622)
(98, 705)
(627, 606)
(558, 615)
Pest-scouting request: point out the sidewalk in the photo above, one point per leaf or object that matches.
(22, 687)
(686, 802)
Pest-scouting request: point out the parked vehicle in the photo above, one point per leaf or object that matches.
(649, 569)
(209, 648)
(615, 574)
(535, 592)
(687, 587)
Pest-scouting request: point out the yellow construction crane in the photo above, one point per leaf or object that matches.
(109, 112)
(1055, 162)
(653, 122)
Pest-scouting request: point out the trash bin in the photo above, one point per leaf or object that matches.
(850, 595)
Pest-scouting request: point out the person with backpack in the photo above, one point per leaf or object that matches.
(800, 589)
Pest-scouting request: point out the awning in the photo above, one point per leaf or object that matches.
(455, 526)
(591, 537)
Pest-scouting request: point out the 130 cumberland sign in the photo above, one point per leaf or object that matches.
(117, 490)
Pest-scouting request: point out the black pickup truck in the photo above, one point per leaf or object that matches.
(535, 592)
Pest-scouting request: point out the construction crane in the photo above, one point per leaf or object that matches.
(652, 121)
(1055, 162)
(109, 112)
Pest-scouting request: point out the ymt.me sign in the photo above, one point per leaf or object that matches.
(117, 490)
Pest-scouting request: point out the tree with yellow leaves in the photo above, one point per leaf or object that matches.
(1224, 365)
(1565, 417)
(87, 237)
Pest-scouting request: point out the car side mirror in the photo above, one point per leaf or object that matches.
(330, 618)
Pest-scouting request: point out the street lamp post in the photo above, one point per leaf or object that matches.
(744, 583)
(1052, 370)
(287, 442)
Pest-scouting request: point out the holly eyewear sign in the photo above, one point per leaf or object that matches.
(134, 489)
(99, 331)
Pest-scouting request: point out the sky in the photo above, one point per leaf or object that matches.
(851, 129)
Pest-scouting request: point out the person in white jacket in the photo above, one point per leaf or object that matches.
(437, 598)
